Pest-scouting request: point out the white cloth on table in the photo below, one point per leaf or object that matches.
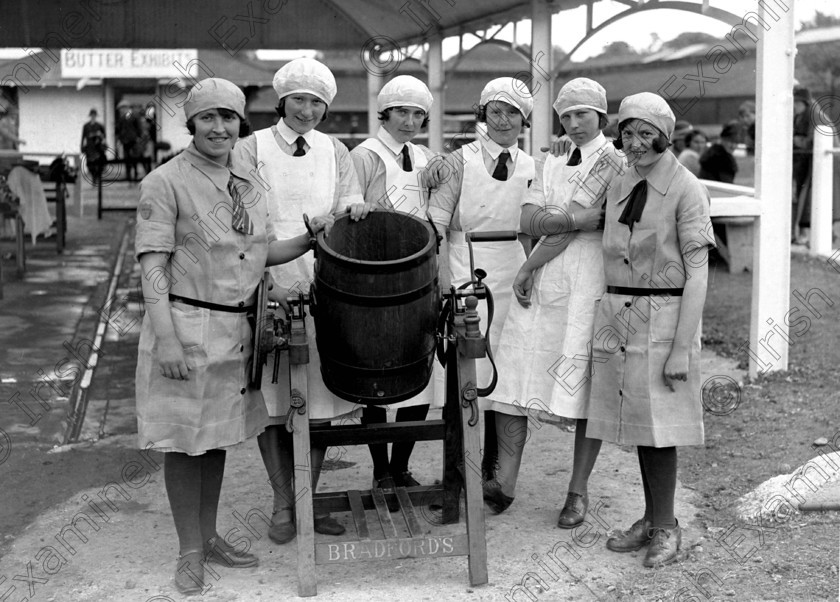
(33, 201)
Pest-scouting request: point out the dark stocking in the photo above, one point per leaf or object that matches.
(659, 466)
(182, 476)
(401, 450)
(378, 451)
(212, 473)
(586, 452)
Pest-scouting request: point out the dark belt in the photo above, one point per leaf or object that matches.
(237, 309)
(644, 292)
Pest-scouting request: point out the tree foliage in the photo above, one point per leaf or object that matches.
(691, 37)
(618, 48)
(817, 65)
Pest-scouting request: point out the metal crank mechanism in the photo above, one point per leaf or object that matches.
(298, 346)
(275, 332)
(459, 321)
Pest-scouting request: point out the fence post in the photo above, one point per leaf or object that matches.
(822, 192)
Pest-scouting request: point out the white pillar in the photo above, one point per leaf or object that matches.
(768, 350)
(540, 82)
(375, 81)
(436, 83)
(822, 190)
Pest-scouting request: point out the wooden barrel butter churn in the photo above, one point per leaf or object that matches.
(380, 319)
(375, 301)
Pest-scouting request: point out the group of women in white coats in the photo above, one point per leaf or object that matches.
(589, 288)
(603, 286)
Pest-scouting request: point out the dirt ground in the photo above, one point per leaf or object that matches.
(130, 556)
(125, 544)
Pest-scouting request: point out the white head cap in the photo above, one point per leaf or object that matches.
(214, 93)
(305, 75)
(404, 91)
(510, 90)
(648, 107)
(581, 93)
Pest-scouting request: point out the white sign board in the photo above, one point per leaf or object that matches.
(126, 62)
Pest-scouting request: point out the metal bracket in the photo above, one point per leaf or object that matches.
(297, 404)
(469, 397)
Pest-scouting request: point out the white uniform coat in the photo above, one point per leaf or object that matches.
(488, 204)
(545, 350)
(299, 185)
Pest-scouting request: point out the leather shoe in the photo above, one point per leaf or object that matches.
(404, 479)
(664, 546)
(281, 532)
(635, 538)
(573, 511)
(387, 483)
(495, 498)
(221, 552)
(327, 525)
(189, 573)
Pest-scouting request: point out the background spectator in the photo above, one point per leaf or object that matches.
(695, 146)
(93, 146)
(681, 130)
(718, 163)
(803, 142)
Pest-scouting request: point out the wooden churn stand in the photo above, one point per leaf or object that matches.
(460, 343)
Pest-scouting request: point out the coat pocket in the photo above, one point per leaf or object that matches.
(664, 317)
(191, 328)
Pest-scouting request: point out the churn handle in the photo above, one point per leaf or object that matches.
(438, 236)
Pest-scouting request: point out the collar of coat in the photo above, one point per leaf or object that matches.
(215, 172)
(659, 178)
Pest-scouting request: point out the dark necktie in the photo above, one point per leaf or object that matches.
(635, 205)
(501, 171)
(241, 221)
(575, 158)
(300, 151)
(406, 158)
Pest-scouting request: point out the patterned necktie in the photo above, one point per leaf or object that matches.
(501, 171)
(635, 205)
(575, 158)
(241, 221)
(300, 151)
(406, 158)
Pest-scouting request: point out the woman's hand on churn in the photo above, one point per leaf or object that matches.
(322, 222)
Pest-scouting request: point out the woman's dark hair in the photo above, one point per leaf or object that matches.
(244, 124)
(481, 116)
(603, 121)
(660, 143)
(689, 138)
(383, 116)
(281, 109)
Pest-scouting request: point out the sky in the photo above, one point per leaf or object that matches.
(568, 27)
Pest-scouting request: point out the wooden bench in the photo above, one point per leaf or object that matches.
(737, 251)
(109, 178)
(11, 212)
(735, 208)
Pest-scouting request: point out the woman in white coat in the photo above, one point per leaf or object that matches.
(544, 353)
(486, 181)
(303, 171)
(392, 174)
